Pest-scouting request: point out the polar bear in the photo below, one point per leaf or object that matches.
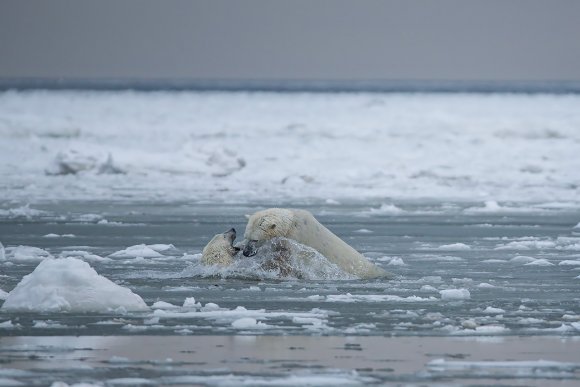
(301, 226)
(220, 250)
(279, 257)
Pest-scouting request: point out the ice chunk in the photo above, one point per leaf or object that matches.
(522, 259)
(387, 209)
(189, 302)
(455, 294)
(70, 285)
(249, 323)
(163, 305)
(84, 255)
(539, 262)
(137, 251)
(570, 263)
(22, 212)
(492, 310)
(26, 254)
(109, 167)
(455, 247)
(396, 262)
(71, 161)
(363, 231)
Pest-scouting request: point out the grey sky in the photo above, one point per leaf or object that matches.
(304, 39)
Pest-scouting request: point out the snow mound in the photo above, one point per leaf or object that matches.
(70, 285)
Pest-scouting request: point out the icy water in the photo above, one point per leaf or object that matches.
(500, 282)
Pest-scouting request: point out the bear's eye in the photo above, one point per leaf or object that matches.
(272, 226)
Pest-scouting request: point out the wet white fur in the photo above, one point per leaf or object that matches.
(301, 226)
(218, 251)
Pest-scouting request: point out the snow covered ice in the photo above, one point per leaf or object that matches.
(177, 146)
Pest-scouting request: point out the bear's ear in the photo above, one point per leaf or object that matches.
(247, 216)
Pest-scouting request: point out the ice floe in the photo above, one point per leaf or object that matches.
(140, 251)
(22, 212)
(72, 161)
(70, 285)
(455, 247)
(26, 254)
(455, 294)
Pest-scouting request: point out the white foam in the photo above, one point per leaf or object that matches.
(70, 285)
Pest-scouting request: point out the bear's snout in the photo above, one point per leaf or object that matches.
(250, 249)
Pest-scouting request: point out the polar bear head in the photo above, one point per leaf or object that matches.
(220, 250)
(265, 225)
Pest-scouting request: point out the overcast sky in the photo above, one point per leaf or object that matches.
(294, 39)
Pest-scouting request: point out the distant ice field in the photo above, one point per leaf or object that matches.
(253, 147)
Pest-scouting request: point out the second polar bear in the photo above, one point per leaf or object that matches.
(301, 226)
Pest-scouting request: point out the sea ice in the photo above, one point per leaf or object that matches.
(570, 263)
(522, 259)
(386, 209)
(137, 251)
(396, 262)
(70, 285)
(492, 310)
(455, 294)
(539, 262)
(26, 254)
(455, 247)
(21, 212)
(249, 323)
(72, 161)
(84, 255)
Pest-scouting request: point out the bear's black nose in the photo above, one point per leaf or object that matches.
(251, 249)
